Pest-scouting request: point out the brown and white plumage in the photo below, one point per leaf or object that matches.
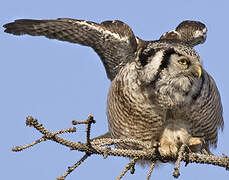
(157, 105)
(189, 32)
(113, 41)
(159, 91)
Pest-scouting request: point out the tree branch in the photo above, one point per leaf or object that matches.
(102, 147)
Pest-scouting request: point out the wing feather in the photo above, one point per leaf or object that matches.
(191, 33)
(206, 113)
(113, 41)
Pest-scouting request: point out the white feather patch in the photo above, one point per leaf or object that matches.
(102, 30)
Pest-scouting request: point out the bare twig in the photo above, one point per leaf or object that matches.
(70, 169)
(90, 120)
(110, 141)
(102, 147)
(150, 170)
(176, 172)
(132, 169)
(207, 159)
(128, 166)
(20, 148)
(62, 131)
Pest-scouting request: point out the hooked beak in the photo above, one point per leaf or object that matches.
(196, 71)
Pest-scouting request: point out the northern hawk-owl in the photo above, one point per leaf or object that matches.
(159, 92)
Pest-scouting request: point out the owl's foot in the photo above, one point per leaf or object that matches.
(170, 149)
(195, 144)
(167, 148)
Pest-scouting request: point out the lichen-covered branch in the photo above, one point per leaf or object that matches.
(103, 147)
(70, 169)
(150, 170)
(128, 167)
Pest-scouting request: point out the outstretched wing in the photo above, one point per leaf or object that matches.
(191, 33)
(113, 41)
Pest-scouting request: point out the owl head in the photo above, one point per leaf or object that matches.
(170, 70)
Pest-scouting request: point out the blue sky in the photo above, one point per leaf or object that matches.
(57, 82)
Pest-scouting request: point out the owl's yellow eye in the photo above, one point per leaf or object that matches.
(183, 61)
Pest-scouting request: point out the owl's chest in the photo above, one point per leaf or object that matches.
(179, 118)
(180, 113)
